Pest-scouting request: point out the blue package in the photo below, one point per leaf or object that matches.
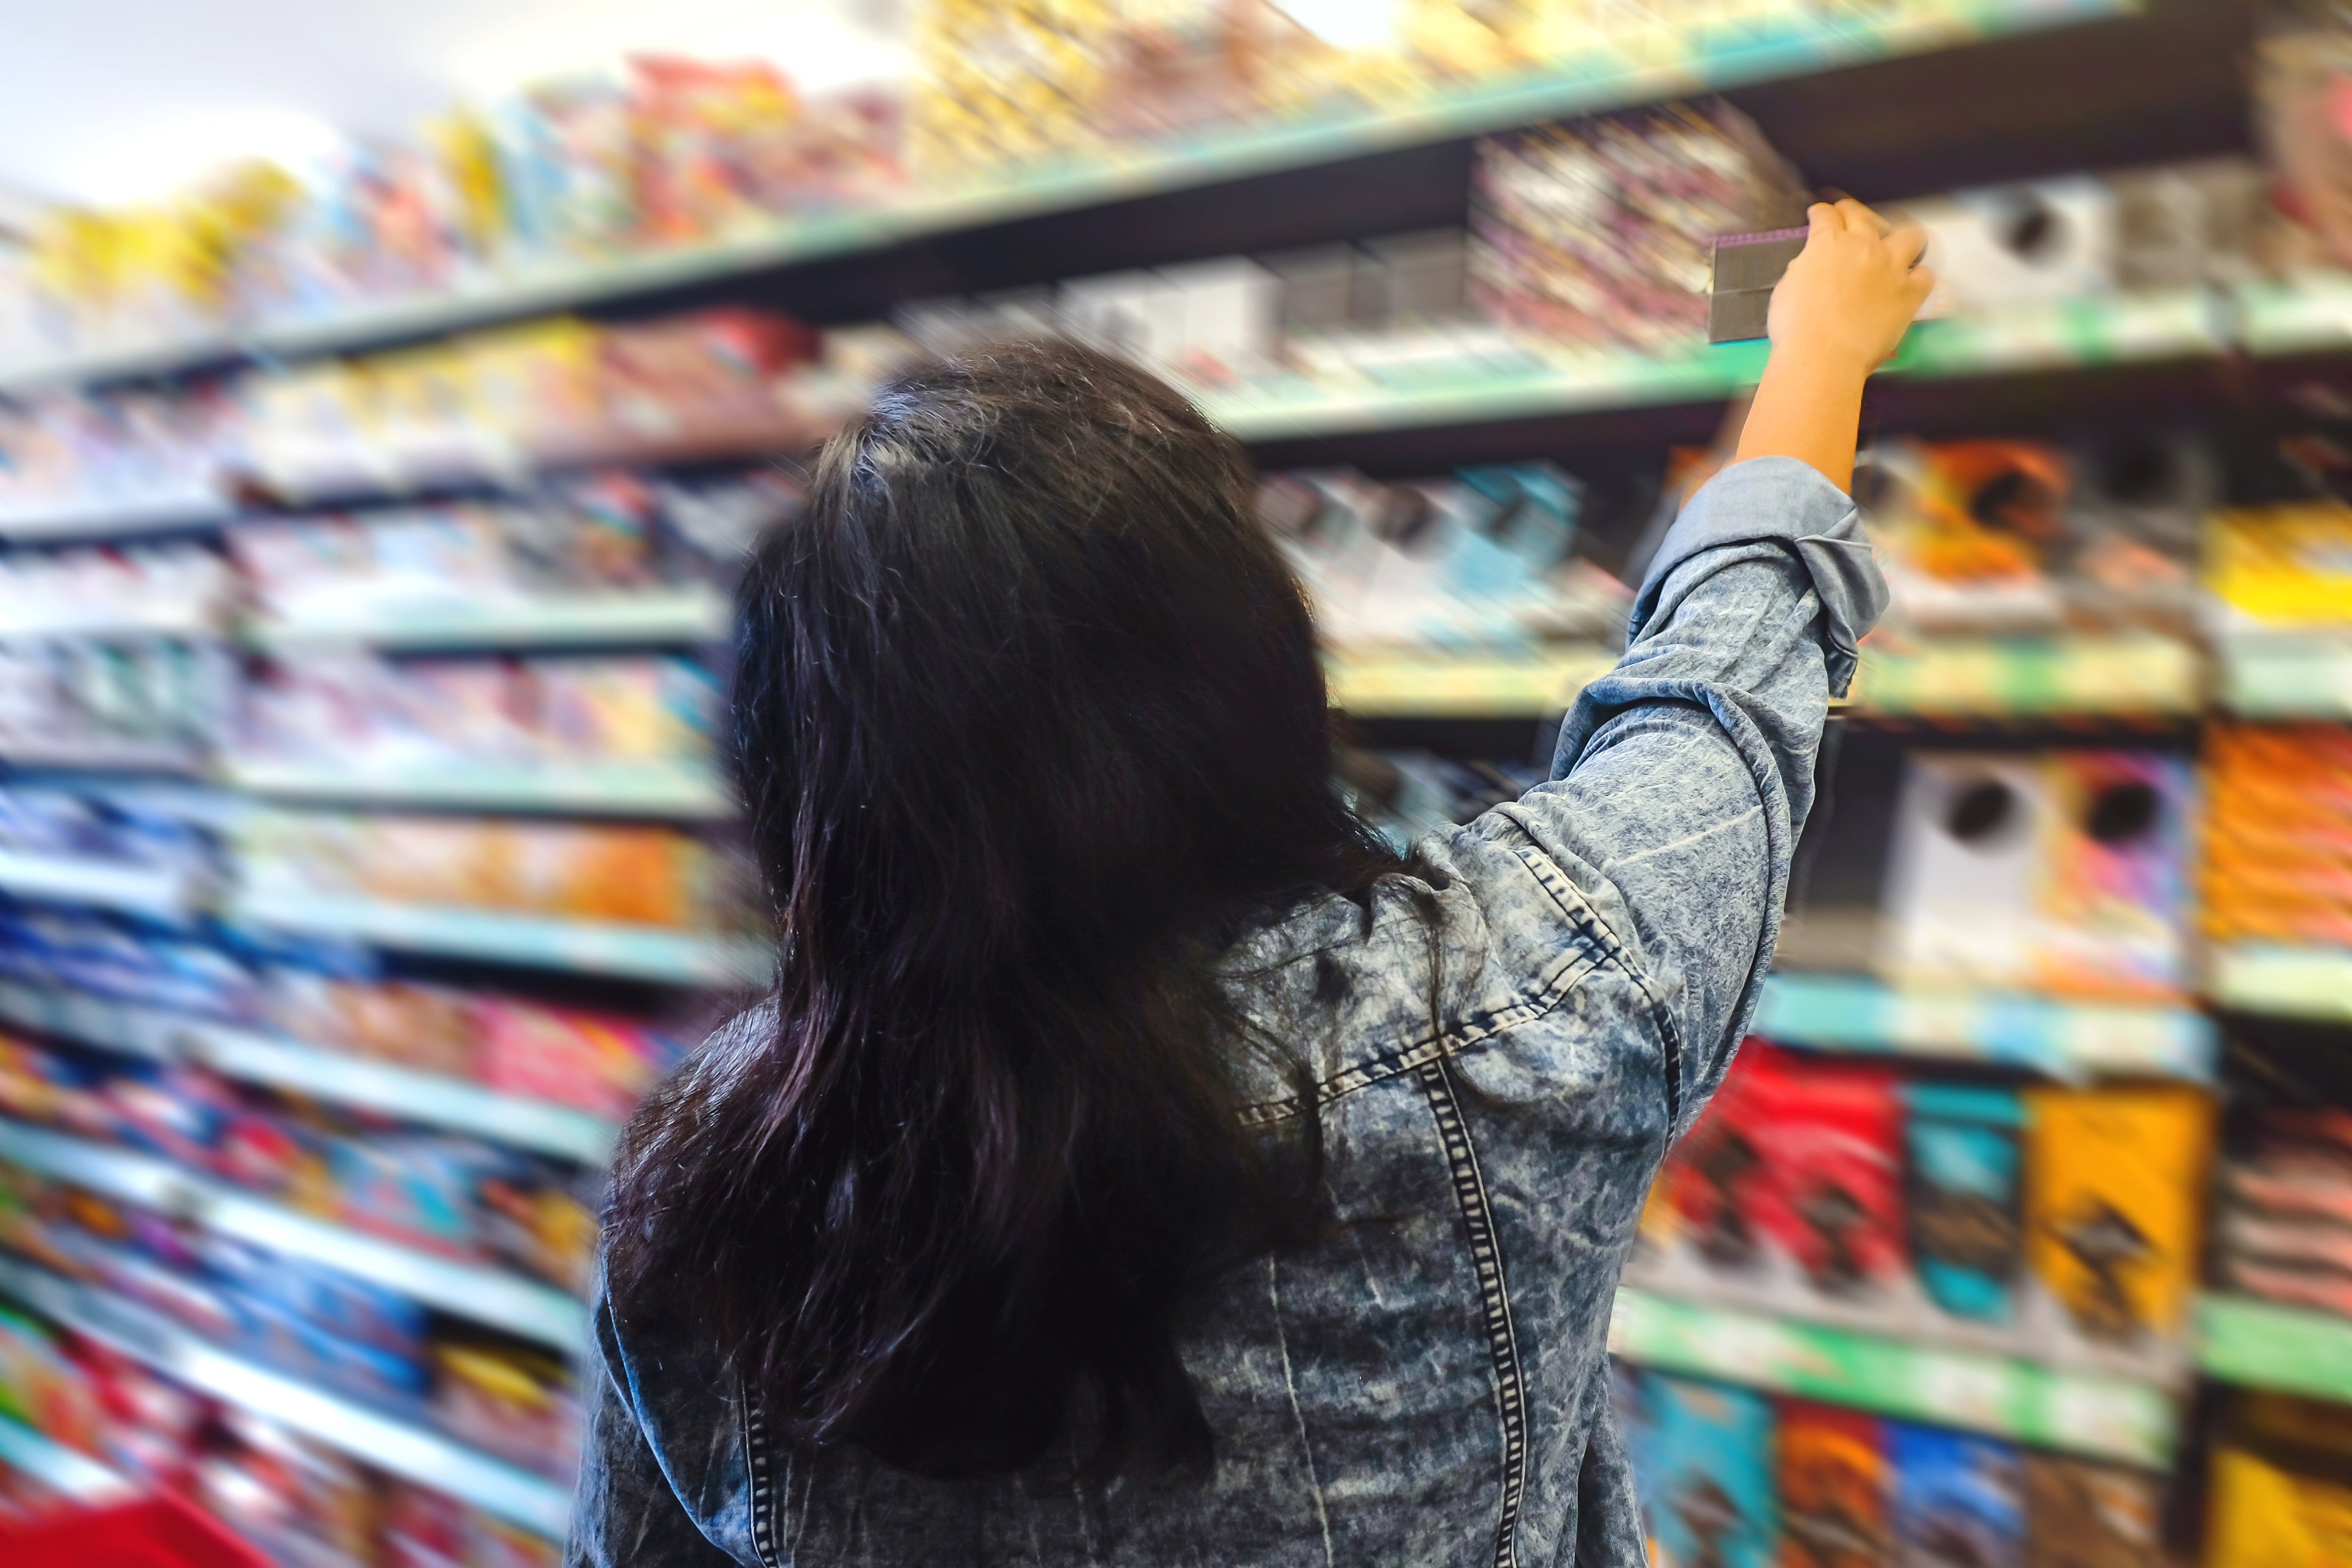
(1705, 1473)
(1965, 1196)
(1959, 1499)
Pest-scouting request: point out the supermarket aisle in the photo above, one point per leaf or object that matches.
(366, 847)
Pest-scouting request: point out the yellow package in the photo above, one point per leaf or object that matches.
(2283, 565)
(2281, 1486)
(2113, 1178)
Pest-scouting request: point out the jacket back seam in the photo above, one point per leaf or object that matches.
(763, 1493)
(1493, 1300)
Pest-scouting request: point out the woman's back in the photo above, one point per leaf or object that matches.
(1479, 1059)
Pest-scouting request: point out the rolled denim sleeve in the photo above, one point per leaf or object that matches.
(1685, 774)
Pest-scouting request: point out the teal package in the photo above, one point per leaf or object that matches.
(1965, 1196)
(1703, 1465)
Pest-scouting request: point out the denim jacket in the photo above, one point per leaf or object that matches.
(1431, 1384)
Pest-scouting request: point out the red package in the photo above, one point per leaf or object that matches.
(1804, 1158)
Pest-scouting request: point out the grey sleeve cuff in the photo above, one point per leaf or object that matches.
(1779, 500)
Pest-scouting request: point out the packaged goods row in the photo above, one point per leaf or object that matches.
(563, 179)
(436, 1192)
(299, 1499)
(2056, 1223)
(1587, 238)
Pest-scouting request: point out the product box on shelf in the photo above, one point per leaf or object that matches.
(2280, 1494)
(2063, 872)
(2283, 1224)
(2056, 1226)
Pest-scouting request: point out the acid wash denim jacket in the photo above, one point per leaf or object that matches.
(1431, 1384)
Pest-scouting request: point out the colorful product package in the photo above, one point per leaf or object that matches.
(2083, 1514)
(1800, 1160)
(1834, 1158)
(2112, 1179)
(1835, 1487)
(1959, 1499)
(2280, 1494)
(1706, 1471)
(1964, 1189)
(2064, 873)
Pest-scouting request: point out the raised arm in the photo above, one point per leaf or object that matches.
(1683, 777)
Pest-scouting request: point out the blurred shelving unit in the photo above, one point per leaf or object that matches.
(2145, 674)
(2106, 1417)
(402, 1447)
(2283, 980)
(2060, 1038)
(338, 1077)
(160, 891)
(1645, 68)
(655, 790)
(478, 1291)
(66, 1471)
(159, 510)
(677, 615)
(2282, 675)
(656, 954)
(2260, 1344)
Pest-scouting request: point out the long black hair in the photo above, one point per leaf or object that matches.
(1029, 726)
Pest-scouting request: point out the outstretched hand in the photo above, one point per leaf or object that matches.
(1838, 312)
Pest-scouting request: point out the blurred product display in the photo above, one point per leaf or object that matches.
(368, 531)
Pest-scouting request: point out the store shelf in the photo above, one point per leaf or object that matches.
(1504, 682)
(2288, 674)
(189, 505)
(2292, 981)
(669, 615)
(2084, 334)
(101, 758)
(338, 1076)
(2244, 1340)
(2145, 674)
(2107, 1417)
(483, 1294)
(1651, 65)
(66, 1471)
(614, 789)
(411, 1452)
(451, 1103)
(2311, 313)
(93, 1020)
(2062, 1038)
(637, 951)
(115, 884)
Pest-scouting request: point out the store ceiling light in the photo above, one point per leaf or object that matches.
(157, 162)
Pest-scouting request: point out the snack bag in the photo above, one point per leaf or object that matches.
(1833, 1165)
(2111, 1184)
(2081, 1514)
(1965, 1191)
(2281, 1488)
(1959, 1499)
(1835, 1487)
(1708, 1475)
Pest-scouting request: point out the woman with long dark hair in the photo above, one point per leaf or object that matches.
(1136, 1162)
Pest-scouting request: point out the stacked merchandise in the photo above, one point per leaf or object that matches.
(607, 535)
(2031, 575)
(1733, 1478)
(300, 1501)
(484, 408)
(668, 151)
(1486, 557)
(2057, 1224)
(569, 172)
(2062, 872)
(2284, 1230)
(1599, 231)
(2278, 829)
